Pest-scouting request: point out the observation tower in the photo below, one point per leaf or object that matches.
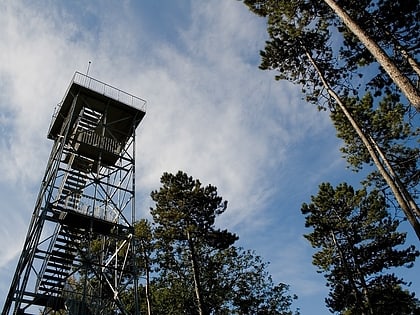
(78, 256)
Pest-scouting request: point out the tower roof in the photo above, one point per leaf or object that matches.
(125, 111)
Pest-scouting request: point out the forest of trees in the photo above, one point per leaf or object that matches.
(357, 60)
(191, 267)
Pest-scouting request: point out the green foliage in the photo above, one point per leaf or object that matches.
(358, 242)
(251, 289)
(295, 29)
(235, 281)
(182, 240)
(184, 218)
(393, 25)
(309, 45)
(298, 25)
(145, 244)
(395, 136)
(231, 280)
(183, 205)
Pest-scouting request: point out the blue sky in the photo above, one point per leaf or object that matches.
(211, 113)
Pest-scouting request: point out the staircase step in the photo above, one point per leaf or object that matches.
(74, 185)
(54, 278)
(85, 125)
(50, 289)
(73, 188)
(91, 112)
(63, 272)
(60, 260)
(66, 248)
(69, 205)
(64, 255)
(74, 173)
(75, 179)
(90, 118)
(71, 232)
(66, 240)
(51, 285)
(58, 266)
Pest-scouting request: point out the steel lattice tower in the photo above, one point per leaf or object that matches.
(78, 256)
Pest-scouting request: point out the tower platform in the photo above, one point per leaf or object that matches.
(105, 118)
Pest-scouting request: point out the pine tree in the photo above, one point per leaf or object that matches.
(358, 243)
(185, 215)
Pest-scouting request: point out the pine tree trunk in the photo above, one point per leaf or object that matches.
(414, 207)
(406, 86)
(197, 284)
(147, 286)
(403, 51)
(350, 277)
(397, 191)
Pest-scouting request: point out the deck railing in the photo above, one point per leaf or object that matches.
(109, 91)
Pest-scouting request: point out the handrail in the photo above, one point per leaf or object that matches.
(109, 91)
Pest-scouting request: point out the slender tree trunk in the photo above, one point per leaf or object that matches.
(147, 286)
(400, 185)
(406, 86)
(412, 219)
(360, 274)
(403, 51)
(411, 61)
(149, 304)
(197, 284)
(350, 277)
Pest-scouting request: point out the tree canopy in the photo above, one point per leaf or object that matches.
(395, 135)
(358, 245)
(191, 249)
(344, 39)
(305, 47)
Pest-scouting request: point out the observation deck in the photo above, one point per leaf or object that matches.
(102, 118)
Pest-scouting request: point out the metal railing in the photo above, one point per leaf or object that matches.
(109, 91)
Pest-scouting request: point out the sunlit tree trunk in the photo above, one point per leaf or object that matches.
(406, 86)
(410, 200)
(147, 271)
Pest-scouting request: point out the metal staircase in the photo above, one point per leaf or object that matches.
(71, 191)
(58, 267)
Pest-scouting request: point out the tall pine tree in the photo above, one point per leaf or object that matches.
(184, 216)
